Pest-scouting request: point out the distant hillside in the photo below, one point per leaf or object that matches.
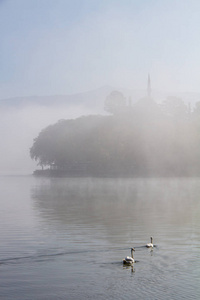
(94, 99)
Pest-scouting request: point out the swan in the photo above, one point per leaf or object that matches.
(150, 245)
(129, 259)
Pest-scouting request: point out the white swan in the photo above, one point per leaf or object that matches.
(150, 245)
(129, 259)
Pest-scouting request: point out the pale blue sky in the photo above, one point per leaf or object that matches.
(68, 46)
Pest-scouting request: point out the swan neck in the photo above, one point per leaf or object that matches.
(132, 253)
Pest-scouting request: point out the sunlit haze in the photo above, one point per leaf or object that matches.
(63, 47)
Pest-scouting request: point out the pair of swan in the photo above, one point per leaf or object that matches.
(130, 259)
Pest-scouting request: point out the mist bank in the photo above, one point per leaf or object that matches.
(145, 139)
(19, 126)
(23, 117)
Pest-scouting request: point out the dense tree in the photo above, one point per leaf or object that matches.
(143, 141)
(115, 102)
(175, 107)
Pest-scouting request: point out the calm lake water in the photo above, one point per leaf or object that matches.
(65, 238)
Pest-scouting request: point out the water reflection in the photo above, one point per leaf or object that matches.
(131, 268)
(122, 207)
(70, 237)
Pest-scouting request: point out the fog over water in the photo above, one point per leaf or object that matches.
(128, 170)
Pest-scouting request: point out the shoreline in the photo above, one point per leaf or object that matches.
(78, 173)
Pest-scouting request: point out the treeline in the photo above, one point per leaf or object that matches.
(146, 139)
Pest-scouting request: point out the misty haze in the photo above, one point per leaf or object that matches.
(100, 151)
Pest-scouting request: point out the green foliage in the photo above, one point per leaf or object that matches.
(142, 141)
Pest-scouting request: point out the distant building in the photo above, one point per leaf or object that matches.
(149, 87)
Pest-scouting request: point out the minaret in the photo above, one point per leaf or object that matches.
(149, 87)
